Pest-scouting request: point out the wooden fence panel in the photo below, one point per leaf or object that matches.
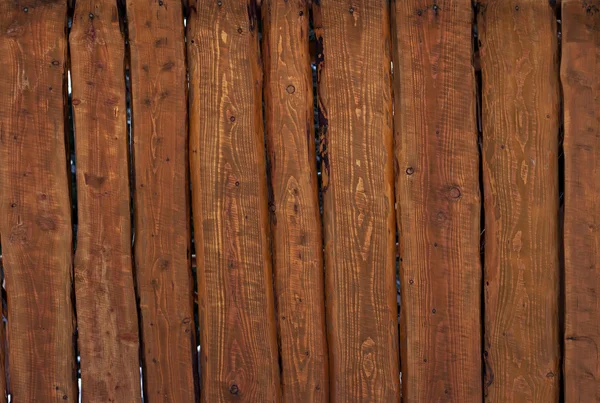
(439, 203)
(162, 229)
(104, 288)
(520, 137)
(35, 213)
(355, 101)
(581, 89)
(239, 355)
(296, 224)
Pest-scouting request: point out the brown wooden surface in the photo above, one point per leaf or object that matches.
(35, 217)
(296, 224)
(3, 346)
(104, 289)
(355, 102)
(581, 89)
(162, 230)
(520, 158)
(439, 203)
(237, 322)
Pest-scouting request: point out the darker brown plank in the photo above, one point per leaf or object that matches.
(355, 102)
(162, 221)
(581, 90)
(520, 144)
(106, 306)
(229, 192)
(296, 224)
(437, 191)
(35, 218)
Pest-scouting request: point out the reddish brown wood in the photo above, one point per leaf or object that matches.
(437, 191)
(520, 171)
(296, 225)
(35, 218)
(106, 307)
(230, 206)
(355, 102)
(581, 89)
(162, 221)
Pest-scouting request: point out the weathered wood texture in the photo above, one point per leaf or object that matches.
(3, 345)
(296, 223)
(520, 143)
(239, 356)
(106, 305)
(35, 218)
(355, 102)
(439, 203)
(162, 230)
(581, 90)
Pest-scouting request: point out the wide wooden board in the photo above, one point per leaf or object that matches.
(520, 173)
(238, 335)
(439, 203)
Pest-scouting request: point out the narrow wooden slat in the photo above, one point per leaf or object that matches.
(3, 345)
(162, 230)
(520, 144)
(297, 238)
(35, 218)
(437, 191)
(581, 91)
(229, 189)
(104, 289)
(355, 102)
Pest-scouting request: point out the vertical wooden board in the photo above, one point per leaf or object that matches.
(104, 289)
(355, 101)
(296, 224)
(520, 143)
(35, 218)
(238, 337)
(439, 203)
(581, 90)
(162, 230)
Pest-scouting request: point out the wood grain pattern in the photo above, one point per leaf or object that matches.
(581, 89)
(355, 101)
(104, 288)
(35, 217)
(230, 205)
(296, 224)
(437, 191)
(162, 221)
(520, 143)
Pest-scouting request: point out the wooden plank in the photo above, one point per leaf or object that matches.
(35, 218)
(355, 102)
(162, 221)
(296, 226)
(520, 144)
(104, 288)
(437, 191)
(230, 207)
(581, 90)
(3, 346)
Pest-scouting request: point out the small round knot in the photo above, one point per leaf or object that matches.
(234, 390)
(91, 16)
(240, 30)
(232, 118)
(410, 171)
(290, 89)
(351, 10)
(25, 9)
(455, 193)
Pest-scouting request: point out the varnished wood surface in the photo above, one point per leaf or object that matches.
(104, 289)
(162, 221)
(296, 222)
(520, 174)
(35, 217)
(580, 67)
(355, 102)
(239, 357)
(439, 203)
